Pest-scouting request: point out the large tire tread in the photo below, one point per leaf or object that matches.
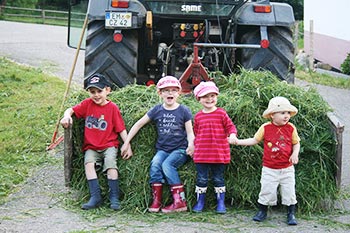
(117, 61)
(278, 58)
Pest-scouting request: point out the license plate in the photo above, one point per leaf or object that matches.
(118, 19)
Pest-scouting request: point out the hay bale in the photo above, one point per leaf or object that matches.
(244, 97)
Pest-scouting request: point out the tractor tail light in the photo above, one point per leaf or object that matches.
(120, 3)
(150, 82)
(264, 44)
(262, 8)
(117, 37)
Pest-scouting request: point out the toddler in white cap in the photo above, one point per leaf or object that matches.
(281, 150)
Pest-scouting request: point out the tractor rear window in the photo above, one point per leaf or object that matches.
(199, 7)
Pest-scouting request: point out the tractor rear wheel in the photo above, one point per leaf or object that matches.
(117, 61)
(277, 58)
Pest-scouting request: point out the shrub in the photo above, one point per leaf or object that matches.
(345, 66)
(244, 97)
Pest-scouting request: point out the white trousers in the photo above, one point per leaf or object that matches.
(271, 180)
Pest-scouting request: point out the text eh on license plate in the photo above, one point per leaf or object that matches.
(118, 19)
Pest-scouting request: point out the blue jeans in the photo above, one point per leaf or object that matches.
(164, 166)
(217, 171)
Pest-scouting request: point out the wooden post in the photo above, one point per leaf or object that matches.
(296, 37)
(43, 15)
(2, 6)
(311, 55)
(68, 155)
(338, 128)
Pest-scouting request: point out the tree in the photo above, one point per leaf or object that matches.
(22, 3)
(53, 4)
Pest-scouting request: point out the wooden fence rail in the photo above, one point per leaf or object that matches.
(44, 15)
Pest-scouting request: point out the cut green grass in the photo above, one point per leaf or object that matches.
(244, 96)
(29, 101)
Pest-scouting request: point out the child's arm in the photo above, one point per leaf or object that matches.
(67, 118)
(247, 142)
(128, 153)
(133, 131)
(294, 158)
(190, 138)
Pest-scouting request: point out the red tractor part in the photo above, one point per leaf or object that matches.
(194, 74)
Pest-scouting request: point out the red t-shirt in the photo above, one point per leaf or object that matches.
(102, 124)
(278, 144)
(211, 131)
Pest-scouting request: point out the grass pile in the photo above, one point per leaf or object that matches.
(245, 97)
(28, 105)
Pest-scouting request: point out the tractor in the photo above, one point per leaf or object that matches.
(140, 41)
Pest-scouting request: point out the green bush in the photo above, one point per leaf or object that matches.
(345, 66)
(244, 97)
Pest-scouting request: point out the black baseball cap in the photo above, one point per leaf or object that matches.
(97, 80)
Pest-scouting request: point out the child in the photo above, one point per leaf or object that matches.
(174, 144)
(103, 122)
(213, 131)
(281, 149)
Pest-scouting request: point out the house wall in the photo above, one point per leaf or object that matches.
(331, 37)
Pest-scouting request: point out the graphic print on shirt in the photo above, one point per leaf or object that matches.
(167, 124)
(92, 122)
(276, 146)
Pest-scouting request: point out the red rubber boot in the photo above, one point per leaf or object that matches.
(179, 203)
(157, 191)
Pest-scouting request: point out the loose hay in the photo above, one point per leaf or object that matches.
(244, 97)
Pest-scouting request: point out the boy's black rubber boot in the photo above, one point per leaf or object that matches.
(95, 195)
(114, 194)
(262, 213)
(291, 220)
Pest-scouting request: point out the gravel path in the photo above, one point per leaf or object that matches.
(37, 206)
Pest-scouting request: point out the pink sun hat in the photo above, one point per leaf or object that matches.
(168, 81)
(205, 88)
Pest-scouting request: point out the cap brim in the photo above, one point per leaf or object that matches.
(204, 93)
(98, 87)
(267, 113)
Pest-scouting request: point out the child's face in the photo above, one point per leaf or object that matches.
(280, 118)
(169, 95)
(209, 101)
(99, 96)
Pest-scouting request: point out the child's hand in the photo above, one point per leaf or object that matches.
(126, 151)
(124, 148)
(190, 150)
(294, 158)
(66, 121)
(232, 139)
(128, 154)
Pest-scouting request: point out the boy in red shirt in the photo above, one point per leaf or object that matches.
(213, 131)
(103, 123)
(281, 150)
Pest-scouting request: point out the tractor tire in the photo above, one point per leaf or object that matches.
(277, 58)
(117, 61)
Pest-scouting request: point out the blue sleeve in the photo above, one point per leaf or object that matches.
(187, 113)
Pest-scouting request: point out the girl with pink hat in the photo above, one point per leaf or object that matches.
(213, 131)
(174, 144)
